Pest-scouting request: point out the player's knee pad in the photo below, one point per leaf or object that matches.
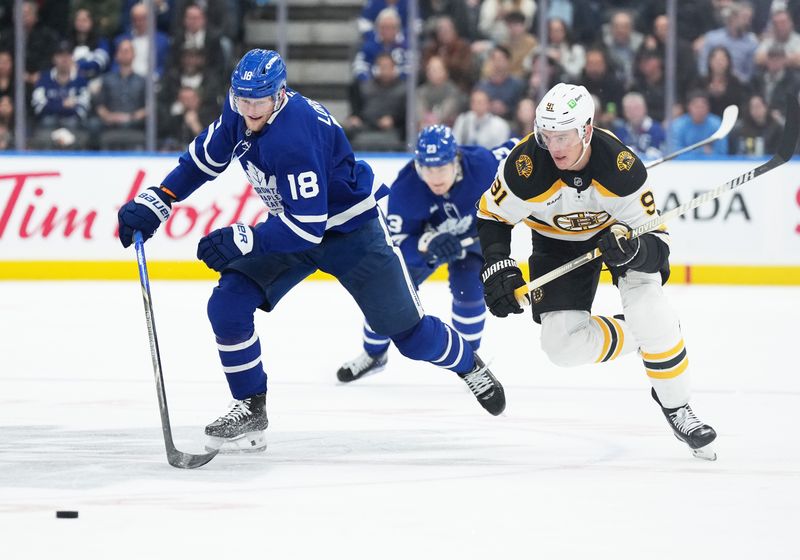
(465, 278)
(232, 305)
(647, 310)
(568, 338)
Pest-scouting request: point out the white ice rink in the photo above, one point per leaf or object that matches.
(401, 465)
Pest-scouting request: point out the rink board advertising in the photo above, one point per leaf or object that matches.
(58, 219)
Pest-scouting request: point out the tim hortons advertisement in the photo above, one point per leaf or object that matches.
(63, 208)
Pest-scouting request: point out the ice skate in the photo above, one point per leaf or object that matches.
(241, 429)
(361, 366)
(486, 388)
(690, 430)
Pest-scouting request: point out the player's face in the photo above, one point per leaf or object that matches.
(439, 179)
(565, 147)
(256, 112)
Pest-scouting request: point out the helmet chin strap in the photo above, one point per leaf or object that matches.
(585, 142)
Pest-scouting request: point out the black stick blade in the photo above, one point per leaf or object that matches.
(181, 460)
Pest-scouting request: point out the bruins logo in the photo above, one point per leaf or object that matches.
(537, 295)
(581, 221)
(625, 160)
(524, 166)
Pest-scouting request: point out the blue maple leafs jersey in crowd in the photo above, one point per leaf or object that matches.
(414, 209)
(300, 164)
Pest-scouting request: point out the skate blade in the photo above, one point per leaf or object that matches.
(706, 453)
(363, 375)
(251, 442)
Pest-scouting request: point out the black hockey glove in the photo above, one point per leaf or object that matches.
(145, 212)
(617, 250)
(223, 246)
(500, 279)
(441, 247)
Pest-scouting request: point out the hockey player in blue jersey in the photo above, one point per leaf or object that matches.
(323, 215)
(431, 215)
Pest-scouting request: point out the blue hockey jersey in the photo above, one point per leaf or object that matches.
(300, 164)
(414, 209)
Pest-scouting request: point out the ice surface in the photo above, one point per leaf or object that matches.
(403, 464)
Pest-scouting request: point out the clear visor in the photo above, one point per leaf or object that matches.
(255, 102)
(557, 140)
(440, 177)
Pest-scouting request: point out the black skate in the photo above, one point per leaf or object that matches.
(690, 430)
(241, 429)
(485, 387)
(361, 366)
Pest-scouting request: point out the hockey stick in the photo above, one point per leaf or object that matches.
(729, 116)
(175, 458)
(784, 154)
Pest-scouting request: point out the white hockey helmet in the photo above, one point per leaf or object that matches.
(565, 107)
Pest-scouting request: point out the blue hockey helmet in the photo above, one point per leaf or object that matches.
(260, 73)
(436, 146)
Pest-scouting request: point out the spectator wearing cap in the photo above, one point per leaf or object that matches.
(504, 89)
(734, 36)
(698, 123)
(782, 34)
(61, 104)
(777, 81)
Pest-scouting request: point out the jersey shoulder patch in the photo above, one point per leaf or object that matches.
(617, 171)
(528, 170)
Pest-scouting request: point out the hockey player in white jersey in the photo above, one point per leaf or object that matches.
(578, 187)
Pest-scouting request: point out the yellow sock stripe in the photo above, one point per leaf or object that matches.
(670, 373)
(674, 351)
(620, 338)
(606, 338)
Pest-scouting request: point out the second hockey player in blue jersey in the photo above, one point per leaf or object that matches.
(431, 216)
(323, 215)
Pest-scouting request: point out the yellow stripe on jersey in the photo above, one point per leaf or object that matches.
(602, 191)
(483, 208)
(552, 191)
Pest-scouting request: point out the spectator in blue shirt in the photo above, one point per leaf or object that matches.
(61, 104)
(638, 130)
(504, 89)
(737, 38)
(141, 42)
(698, 123)
(387, 38)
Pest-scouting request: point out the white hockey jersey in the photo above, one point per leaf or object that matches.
(567, 205)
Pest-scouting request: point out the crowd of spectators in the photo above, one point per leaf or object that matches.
(86, 62)
(482, 69)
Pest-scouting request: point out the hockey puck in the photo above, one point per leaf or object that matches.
(67, 514)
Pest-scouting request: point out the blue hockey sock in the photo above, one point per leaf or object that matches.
(241, 362)
(230, 310)
(468, 319)
(433, 341)
(374, 343)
